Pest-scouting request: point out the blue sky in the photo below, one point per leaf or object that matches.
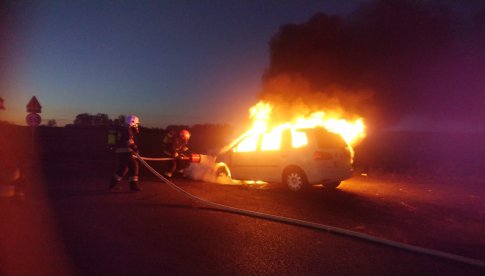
(169, 62)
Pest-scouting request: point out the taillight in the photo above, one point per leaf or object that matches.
(322, 155)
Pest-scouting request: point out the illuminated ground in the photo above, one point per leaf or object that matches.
(75, 226)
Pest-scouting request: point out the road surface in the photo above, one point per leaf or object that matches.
(69, 224)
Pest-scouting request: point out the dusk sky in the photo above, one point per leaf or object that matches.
(169, 62)
(195, 62)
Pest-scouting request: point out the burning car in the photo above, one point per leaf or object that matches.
(295, 157)
(307, 150)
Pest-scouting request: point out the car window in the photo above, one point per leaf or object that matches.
(271, 141)
(327, 139)
(299, 139)
(248, 144)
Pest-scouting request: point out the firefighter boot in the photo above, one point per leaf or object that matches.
(134, 186)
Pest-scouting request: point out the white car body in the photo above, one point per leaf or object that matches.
(325, 159)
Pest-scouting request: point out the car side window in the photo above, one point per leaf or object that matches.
(271, 141)
(299, 139)
(248, 144)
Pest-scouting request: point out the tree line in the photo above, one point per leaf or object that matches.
(205, 137)
(98, 120)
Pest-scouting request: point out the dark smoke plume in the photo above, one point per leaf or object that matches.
(387, 60)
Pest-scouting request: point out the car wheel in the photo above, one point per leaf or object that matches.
(331, 185)
(295, 179)
(222, 172)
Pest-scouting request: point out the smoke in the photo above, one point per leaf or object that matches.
(385, 61)
(206, 171)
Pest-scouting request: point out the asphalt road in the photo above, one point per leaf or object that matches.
(69, 224)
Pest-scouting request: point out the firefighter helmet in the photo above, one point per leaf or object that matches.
(185, 135)
(132, 121)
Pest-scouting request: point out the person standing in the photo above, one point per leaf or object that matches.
(126, 148)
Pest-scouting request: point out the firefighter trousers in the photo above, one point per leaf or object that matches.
(127, 164)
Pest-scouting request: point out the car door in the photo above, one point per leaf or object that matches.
(244, 165)
(273, 154)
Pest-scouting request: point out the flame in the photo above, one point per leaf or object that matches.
(352, 131)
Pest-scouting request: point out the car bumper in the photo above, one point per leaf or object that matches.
(319, 176)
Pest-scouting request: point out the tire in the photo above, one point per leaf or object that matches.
(222, 171)
(295, 180)
(331, 185)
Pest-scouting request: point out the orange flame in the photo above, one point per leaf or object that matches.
(352, 131)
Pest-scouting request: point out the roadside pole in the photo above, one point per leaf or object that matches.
(33, 119)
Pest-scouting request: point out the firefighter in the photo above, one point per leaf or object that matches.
(125, 149)
(175, 145)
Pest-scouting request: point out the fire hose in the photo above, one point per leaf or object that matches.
(313, 225)
(193, 158)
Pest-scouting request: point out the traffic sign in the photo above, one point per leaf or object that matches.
(33, 119)
(34, 106)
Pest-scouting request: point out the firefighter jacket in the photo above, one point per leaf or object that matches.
(126, 140)
(174, 146)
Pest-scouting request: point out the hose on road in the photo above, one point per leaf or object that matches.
(318, 226)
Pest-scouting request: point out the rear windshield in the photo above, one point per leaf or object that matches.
(327, 139)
